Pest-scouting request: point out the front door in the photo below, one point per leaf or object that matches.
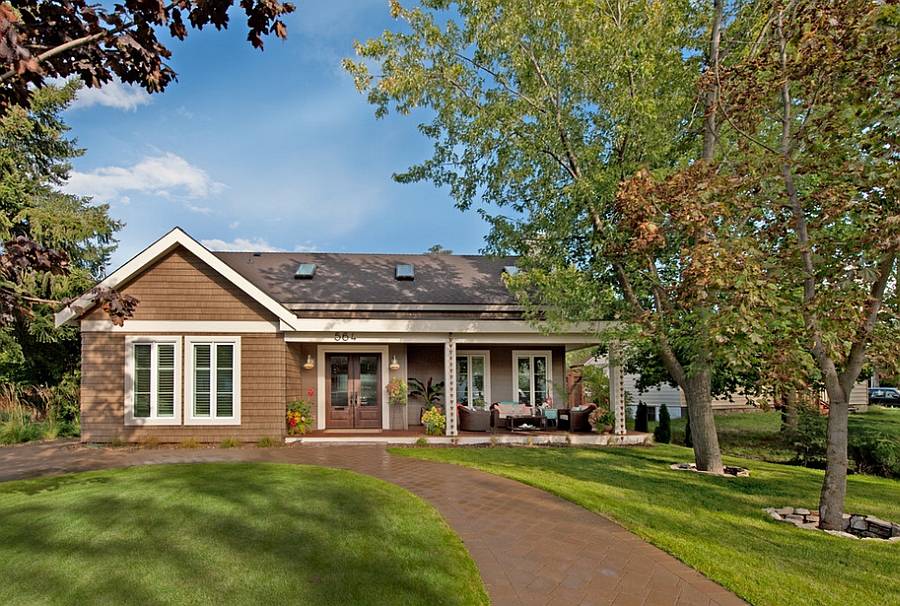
(353, 386)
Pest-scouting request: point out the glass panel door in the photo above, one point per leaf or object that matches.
(353, 397)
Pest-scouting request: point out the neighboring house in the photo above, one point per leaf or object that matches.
(673, 397)
(221, 341)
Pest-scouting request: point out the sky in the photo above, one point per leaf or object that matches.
(265, 151)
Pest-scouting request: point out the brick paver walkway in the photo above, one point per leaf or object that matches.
(531, 547)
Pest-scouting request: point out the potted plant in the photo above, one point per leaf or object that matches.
(299, 414)
(397, 391)
(434, 420)
(432, 394)
(603, 419)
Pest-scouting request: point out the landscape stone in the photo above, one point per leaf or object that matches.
(873, 521)
(855, 526)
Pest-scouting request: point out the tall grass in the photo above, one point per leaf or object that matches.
(36, 413)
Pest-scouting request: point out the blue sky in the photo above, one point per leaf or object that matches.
(271, 150)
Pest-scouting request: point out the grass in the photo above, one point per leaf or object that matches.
(716, 525)
(229, 533)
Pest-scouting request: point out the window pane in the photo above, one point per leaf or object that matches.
(368, 381)
(224, 380)
(202, 380)
(142, 379)
(478, 378)
(142, 405)
(524, 380)
(165, 381)
(462, 380)
(540, 380)
(340, 371)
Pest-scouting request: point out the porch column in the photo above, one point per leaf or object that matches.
(450, 385)
(617, 388)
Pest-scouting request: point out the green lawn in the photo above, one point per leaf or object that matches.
(716, 525)
(227, 533)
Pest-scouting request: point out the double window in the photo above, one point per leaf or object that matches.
(531, 370)
(211, 381)
(152, 390)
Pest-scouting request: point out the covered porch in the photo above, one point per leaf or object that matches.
(346, 371)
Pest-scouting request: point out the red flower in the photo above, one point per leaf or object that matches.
(311, 392)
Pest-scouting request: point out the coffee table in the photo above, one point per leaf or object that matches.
(525, 423)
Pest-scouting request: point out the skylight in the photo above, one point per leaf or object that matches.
(305, 272)
(405, 271)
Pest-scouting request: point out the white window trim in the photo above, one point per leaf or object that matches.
(531, 353)
(487, 371)
(189, 418)
(130, 341)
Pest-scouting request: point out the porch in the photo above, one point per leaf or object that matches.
(501, 437)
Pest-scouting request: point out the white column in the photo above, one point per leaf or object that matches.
(617, 388)
(450, 386)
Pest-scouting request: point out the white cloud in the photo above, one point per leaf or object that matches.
(240, 245)
(166, 176)
(114, 94)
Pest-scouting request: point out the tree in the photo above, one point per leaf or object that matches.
(76, 239)
(812, 112)
(543, 109)
(58, 39)
(437, 249)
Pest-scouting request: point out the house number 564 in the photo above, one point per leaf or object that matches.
(345, 336)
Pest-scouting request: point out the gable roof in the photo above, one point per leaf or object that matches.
(369, 279)
(159, 249)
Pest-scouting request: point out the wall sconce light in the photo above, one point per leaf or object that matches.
(309, 364)
(395, 365)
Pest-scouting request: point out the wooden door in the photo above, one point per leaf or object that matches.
(353, 386)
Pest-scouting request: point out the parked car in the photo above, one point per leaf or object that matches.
(886, 396)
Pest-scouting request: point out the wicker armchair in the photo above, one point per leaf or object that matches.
(473, 420)
(576, 420)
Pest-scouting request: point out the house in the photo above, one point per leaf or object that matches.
(221, 341)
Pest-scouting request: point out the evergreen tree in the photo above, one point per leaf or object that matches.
(640, 418)
(663, 432)
(34, 162)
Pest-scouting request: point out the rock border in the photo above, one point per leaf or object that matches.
(729, 471)
(855, 526)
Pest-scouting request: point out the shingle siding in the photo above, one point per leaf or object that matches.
(181, 287)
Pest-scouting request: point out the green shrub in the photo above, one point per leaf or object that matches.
(269, 442)
(189, 443)
(65, 398)
(229, 443)
(809, 438)
(876, 454)
(663, 432)
(640, 418)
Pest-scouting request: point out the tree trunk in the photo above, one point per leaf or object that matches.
(788, 412)
(698, 395)
(834, 487)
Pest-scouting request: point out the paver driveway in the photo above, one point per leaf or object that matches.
(530, 547)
